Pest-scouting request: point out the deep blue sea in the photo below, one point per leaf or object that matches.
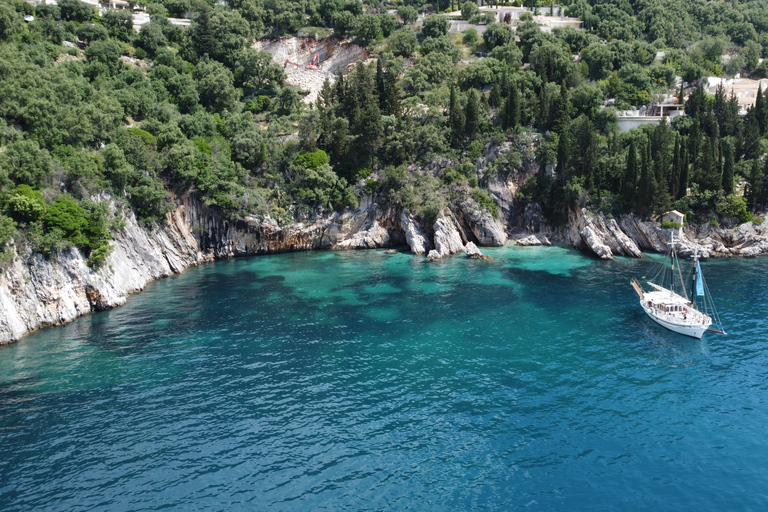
(361, 380)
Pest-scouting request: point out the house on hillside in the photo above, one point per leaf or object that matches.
(674, 216)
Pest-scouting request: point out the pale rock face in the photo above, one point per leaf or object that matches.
(599, 235)
(471, 250)
(593, 242)
(447, 238)
(474, 253)
(415, 236)
(533, 240)
(487, 230)
(37, 292)
(370, 238)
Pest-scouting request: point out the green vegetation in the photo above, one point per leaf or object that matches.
(90, 105)
(668, 224)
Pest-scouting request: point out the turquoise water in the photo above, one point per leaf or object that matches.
(367, 381)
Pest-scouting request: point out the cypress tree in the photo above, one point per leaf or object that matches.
(674, 182)
(494, 98)
(380, 86)
(563, 115)
(201, 33)
(629, 183)
(391, 95)
(755, 192)
(751, 144)
(340, 93)
(454, 115)
(563, 148)
(646, 183)
(512, 107)
(760, 110)
(682, 189)
(727, 152)
(719, 107)
(472, 114)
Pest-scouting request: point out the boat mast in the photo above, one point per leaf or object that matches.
(693, 277)
(673, 260)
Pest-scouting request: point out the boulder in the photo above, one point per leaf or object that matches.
(474, 253)
(533, 240)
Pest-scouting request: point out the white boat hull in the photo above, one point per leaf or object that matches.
(695, 330)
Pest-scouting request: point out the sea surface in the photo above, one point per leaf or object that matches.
(361, 380)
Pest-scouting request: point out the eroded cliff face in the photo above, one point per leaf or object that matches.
(36, 292)
(605, 238)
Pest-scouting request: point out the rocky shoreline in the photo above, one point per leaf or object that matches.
(36, 292)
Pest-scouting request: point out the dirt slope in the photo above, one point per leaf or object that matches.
(334, 54)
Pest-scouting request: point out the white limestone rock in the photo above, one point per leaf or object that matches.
(447, 237)
(415, 236)
(487, 230)
(595, 244)
(474, 253)
(533, 240)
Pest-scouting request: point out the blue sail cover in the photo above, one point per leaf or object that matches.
(699, 282)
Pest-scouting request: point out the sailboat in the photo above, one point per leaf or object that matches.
(669, 304)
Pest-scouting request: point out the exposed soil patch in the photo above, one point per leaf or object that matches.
(334, 54)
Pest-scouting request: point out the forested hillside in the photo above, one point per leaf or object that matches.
(89, 105)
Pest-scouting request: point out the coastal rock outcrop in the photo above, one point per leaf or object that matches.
(486, 230)
(601, 236)
(447, 239)
(36, 292)
(415, 236)
(474, 253)
(533, 240)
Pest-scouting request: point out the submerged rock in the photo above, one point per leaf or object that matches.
(533, 240)
(474, 253)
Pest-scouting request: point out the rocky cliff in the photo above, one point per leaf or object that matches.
(37, 292)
